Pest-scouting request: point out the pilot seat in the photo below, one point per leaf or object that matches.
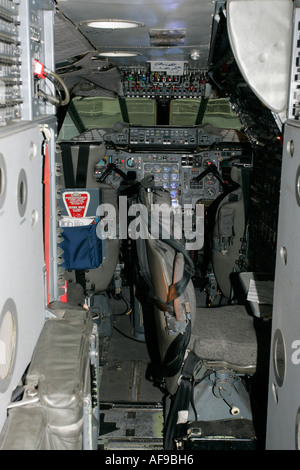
(202, 356)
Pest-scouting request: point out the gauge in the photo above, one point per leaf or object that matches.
(157, 177)
(210, 180)
(156, 168)
(211, 192)
(165, 176)
(131, 162)
(174, 167)
(174, 176)
(166, 185)
(174, 185)
(165, 168)
(173, 194)
(147, 167)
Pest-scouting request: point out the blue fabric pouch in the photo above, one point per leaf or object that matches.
(82, 247)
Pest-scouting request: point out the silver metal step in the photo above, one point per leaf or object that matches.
(131, 426)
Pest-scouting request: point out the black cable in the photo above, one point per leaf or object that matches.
(128, 309)
(197, 382)
(127, 336)
(127, 312)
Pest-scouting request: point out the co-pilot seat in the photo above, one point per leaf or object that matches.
(229, 230)
(77, 161)
(202, 353)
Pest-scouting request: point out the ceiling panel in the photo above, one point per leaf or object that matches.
(193, 18)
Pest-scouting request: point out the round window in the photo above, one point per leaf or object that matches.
(8, 333)
(279, 357)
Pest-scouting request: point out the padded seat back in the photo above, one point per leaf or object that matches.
(164, 266)
(228, 232)
(77, 161)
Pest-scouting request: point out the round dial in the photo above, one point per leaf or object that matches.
(210, 179)
(131, 162)
(211, 192)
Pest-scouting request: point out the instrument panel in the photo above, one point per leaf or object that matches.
(161, 137)
(174, 172)
(142, 82)
(178, 158)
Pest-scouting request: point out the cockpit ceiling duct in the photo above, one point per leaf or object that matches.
(167, 37)
(69, 42)
(91, 77)
(171, 30)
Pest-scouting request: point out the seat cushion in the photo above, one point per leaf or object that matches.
(224, 334)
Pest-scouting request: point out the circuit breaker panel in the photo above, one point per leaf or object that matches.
(27, 136)
(25, 37)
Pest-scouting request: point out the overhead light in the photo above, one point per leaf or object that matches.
(111, 24)
(118, 54)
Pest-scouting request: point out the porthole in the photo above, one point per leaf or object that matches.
(22, 193)
(8, 342)
(279, 357)
(3, 181)
(291, 148)
(297, 188)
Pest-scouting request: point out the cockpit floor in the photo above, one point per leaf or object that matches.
(131, 411)
(123, 364)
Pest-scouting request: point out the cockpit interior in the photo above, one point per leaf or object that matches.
(163, 124)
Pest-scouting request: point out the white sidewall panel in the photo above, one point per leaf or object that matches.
(21, 248)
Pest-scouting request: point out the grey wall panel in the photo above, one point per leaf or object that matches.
(284, 380)
(21, 255)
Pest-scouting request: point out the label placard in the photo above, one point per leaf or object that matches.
(76, 203)
(168, 66)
